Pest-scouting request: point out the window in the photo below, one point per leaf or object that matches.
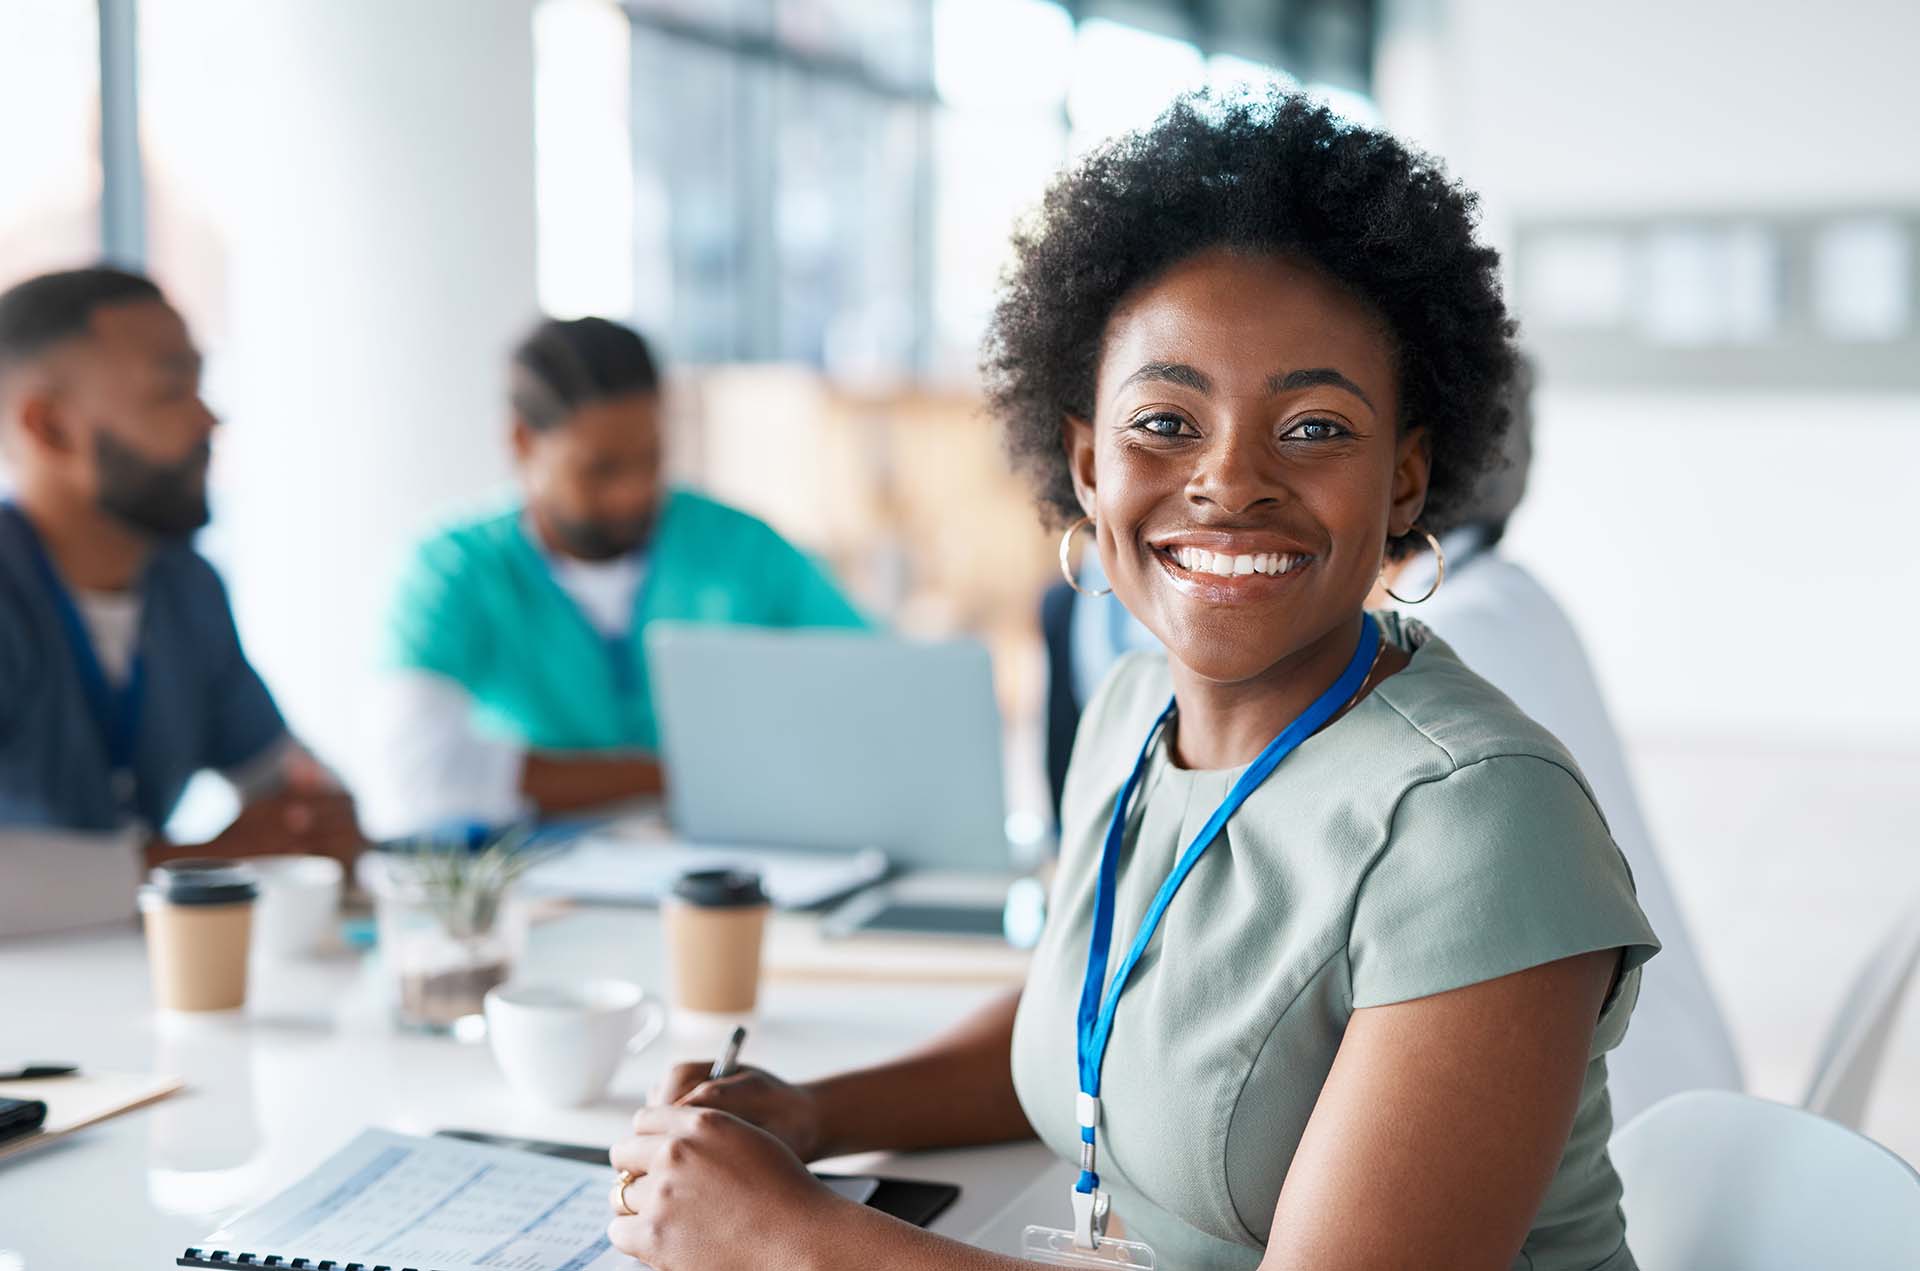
(833, 182)
(50, 94)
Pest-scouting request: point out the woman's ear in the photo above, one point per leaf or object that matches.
(1412, 466)
(1076, 438)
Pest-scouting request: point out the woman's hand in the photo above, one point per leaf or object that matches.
(790, 1113)
(711, 1191)
(956, 1091)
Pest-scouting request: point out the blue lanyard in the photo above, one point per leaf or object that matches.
(115, 713)
(1095, 1023)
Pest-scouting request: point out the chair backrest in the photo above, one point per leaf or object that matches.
(1717, 1181)
(1856, 1041)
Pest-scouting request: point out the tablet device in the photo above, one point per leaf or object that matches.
(882, 911)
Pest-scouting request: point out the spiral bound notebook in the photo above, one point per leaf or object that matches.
(393, 1202)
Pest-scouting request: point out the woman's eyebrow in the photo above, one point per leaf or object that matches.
(1314, 377)
(1192, 377)
(1171, 373)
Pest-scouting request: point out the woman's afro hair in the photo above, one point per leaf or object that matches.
(1281, 175)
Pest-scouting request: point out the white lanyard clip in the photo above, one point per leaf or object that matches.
(1090, 1211)
(1090, 1208)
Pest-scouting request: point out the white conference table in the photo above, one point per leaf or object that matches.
(314, 1059)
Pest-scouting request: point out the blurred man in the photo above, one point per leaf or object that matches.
(121, 674)
(518, 673)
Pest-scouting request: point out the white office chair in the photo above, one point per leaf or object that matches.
(1717, 1181)
(1856, 1041)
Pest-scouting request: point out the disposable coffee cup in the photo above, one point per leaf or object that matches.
(199, 918)
(715, 920)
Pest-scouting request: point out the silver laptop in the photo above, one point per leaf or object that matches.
(832, 740)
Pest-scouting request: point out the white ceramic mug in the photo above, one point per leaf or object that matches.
(560, 1042)
(298, 913)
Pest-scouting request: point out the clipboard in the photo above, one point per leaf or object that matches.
(76, 1102)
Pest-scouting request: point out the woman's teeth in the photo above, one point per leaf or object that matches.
(1201, 561)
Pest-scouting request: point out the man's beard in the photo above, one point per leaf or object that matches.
(166, 500)
(595, 541)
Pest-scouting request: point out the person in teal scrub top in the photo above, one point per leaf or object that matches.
(1338, 940)
(516, 671)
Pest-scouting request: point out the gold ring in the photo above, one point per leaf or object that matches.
(620, 1185)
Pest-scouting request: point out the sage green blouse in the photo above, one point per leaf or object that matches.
(1431, 838)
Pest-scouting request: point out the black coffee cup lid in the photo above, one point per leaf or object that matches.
(720, 889)
(204, 882)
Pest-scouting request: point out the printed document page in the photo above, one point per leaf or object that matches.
(438, 1205)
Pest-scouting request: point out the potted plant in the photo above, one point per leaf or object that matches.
(449, 925)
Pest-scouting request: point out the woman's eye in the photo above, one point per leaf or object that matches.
(1316, 430)
(1161, 425)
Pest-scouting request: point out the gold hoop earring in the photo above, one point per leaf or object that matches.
(1440, 558)
(1066, 564)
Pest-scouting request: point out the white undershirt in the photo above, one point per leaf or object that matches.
(113, 624)
(604, 591)
(435, 765)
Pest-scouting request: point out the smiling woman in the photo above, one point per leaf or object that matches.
(1261, 352)
(1369, 939)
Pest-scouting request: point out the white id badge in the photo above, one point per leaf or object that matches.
(1051, 1247)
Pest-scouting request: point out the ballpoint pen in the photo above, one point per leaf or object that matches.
(725, 1066)
(729, 1061)
(36, 1072)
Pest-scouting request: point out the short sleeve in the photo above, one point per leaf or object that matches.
(242, 720)
(434, 623)
(1501, 865)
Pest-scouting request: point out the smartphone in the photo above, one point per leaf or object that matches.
(20, 1117)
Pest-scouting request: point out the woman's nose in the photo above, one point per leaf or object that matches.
(1234, 472)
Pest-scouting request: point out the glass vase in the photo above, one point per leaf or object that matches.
(441, 951)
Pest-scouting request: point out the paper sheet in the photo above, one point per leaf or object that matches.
(453, 1206)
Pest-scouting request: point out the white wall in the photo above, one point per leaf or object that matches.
(1662, 515)
(1742, 564)
(1675, 103)
(360, 186)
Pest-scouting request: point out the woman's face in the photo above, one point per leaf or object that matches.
(1244, 466)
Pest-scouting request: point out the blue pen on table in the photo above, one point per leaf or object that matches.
(39, 1072)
